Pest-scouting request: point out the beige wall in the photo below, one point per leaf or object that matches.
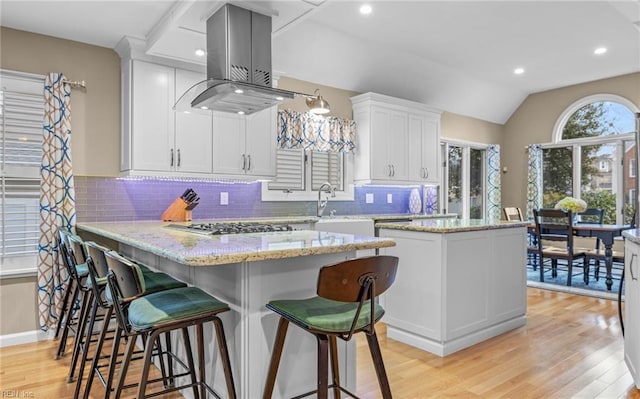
(95, 111)
(338, 99)
(18, 305)
(460, 127)
(534, 120)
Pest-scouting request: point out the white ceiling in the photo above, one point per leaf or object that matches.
(458, 56)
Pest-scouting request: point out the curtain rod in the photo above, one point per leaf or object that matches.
(76, 84)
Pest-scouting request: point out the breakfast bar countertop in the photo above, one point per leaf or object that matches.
(450, 225)
(204, 250)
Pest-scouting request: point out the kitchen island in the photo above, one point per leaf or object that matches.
(246, 271)
(459, 282)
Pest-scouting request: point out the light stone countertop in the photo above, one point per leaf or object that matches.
(314, 219)
(450, 225)
(632, 235)
(202, 250)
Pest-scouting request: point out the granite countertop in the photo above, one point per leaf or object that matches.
(450, 225)
(314, 219)
(202, 250)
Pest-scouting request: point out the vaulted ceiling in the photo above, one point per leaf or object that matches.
(458, 56)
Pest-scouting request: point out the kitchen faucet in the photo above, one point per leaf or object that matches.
(329, 189)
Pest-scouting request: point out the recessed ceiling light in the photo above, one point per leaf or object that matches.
(518, 71)
(365, 9)
(200, 52)
(600, 51)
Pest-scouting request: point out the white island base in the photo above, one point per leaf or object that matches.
(455, 289)
(250, 327)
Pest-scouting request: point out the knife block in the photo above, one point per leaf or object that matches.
(177, 212)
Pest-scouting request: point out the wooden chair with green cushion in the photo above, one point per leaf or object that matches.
(100, 298)
(149, 315)
(556, 226)
(345, 304)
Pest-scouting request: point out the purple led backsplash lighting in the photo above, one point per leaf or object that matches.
(109, 199)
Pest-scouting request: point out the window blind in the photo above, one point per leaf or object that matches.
(21, 116)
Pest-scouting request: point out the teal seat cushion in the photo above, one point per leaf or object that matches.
(101, 281)
(82, 270)
(172, 305)
(154, 282)
(322, 314)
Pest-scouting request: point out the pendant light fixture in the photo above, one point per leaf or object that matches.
(317, 104)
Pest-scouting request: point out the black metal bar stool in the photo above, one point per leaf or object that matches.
(151, 315)
(346, 304)
(100, 298)
(78, 271)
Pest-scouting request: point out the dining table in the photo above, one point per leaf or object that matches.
(606, 233)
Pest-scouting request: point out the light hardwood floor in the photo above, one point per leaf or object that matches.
(571, 347)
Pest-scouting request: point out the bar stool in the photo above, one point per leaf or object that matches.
(151, 315)
(78, 272)
(346, 304)
(100, 298)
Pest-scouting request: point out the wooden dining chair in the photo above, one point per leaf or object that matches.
(555, 226)
(513, 214)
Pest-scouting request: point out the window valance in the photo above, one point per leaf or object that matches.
(312, 132)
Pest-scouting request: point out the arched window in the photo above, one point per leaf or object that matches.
(593, 156)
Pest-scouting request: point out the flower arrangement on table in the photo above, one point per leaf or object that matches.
(571, 204)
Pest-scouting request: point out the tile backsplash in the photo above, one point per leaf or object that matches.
(101, 199)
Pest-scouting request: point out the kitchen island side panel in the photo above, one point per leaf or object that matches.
(454, 290)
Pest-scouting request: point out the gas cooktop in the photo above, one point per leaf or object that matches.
(230, 228)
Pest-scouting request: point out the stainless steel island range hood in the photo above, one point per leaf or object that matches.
(239, 76)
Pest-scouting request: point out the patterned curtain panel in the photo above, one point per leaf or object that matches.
(493, 183)
(534, 179)
(315, 132)
(57, 197)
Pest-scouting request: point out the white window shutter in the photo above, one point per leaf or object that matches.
(326, 167)
(21, 119)
(289, 170)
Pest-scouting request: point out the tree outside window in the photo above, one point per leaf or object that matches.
(595, 148)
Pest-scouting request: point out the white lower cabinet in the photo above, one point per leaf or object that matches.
(245, 146)
(454, 290)
(632, 309)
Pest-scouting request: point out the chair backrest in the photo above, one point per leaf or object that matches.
(554, 225)
(69, 259)
(358, 280)
(124, 276)
(513, 214)
(96, 258)
(591, 215)
(125, 283)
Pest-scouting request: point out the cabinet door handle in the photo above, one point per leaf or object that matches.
(426, 173)
(179, 157)
(633, 275)
(244, 162)
(249, 162)
(393, 170)
(171, 157)
(389, 173)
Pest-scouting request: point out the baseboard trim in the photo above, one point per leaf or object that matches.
(26, 337)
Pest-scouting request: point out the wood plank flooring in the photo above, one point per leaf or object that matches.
(571, 347)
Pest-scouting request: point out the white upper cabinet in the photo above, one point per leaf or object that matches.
(193, 139)
(156, 140)
(397, 141)
(245, 145)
